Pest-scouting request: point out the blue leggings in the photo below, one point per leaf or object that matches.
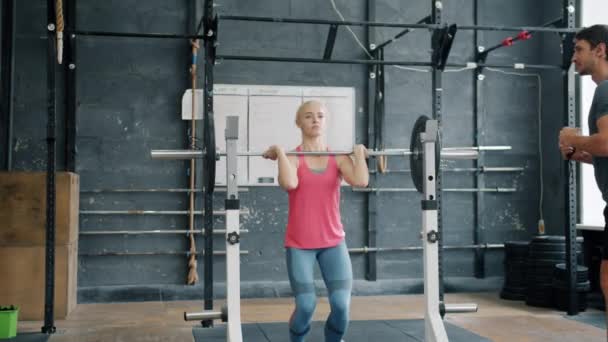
(336, 269)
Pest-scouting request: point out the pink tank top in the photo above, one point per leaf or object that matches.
(314, 208)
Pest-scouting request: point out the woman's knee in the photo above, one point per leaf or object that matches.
(339, 301)
(306, 304)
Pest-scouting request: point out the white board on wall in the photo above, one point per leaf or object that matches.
(272, 123)
(267, 117)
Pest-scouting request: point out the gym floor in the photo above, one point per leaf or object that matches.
(497, 319)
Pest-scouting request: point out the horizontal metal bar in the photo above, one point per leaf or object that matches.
(220, 57)
(461, 308)
(154, 212)
(455, 154)
(497, 189)
(522, 66)
(383, 24)
(447, 153)
(108, 253)
(478, 148)
(153, 232)
(416, 248)
(517, 28)
(217, 189)
(136, 35)
(385, 62)
(501, 169)
(322, 22)
(392, 152)
(203, 316)
(444, 190)
(462, 169)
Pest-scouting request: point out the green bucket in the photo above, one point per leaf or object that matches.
(8, 321)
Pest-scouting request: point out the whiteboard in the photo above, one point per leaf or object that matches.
(267, 117)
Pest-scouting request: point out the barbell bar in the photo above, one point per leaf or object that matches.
(460, 308)
(446, 153)
(207, 315)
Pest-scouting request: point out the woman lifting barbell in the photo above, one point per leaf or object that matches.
(314, 227)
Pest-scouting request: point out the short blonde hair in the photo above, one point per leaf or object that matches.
(302, 107)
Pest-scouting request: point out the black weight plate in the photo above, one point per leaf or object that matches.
(563, 287)
(417, 153)
(553, 247)
(512, 295)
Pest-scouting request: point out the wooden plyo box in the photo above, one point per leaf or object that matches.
(23, 208)
(23, 242)
(23, 283)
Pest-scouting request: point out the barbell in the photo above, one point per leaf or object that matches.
(415, 152)
(446, 153)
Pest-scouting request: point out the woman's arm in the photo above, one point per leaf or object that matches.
(288, 168)
(355, 171)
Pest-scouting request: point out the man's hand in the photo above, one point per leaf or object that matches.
(566, 142)
(566, 151)
(566, 135)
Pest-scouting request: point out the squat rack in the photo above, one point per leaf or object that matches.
(441, 43)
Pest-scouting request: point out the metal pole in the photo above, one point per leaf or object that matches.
(569, 9)
(373, 102)
(444, 190)
(434, 330)
(233, 237)
(152, 232)
(434, 25)
(8, 81)
(134, 35)
(204, 316)
(478, 107)
(426, 19)
(382, 62)
(209, 133)
(120, 190)
(71, 92)
(437, 92)
(446, 153)
(110, 253)
(461, 308)
(155, 212)
(366, 249)
(49, 294)
(463, 169)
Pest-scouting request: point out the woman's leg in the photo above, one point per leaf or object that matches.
(337, 273)
(300, 268)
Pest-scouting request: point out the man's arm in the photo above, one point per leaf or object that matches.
(595, 144)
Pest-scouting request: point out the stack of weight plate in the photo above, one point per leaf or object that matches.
(545, 252)
(516, 253)
(560, 287)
